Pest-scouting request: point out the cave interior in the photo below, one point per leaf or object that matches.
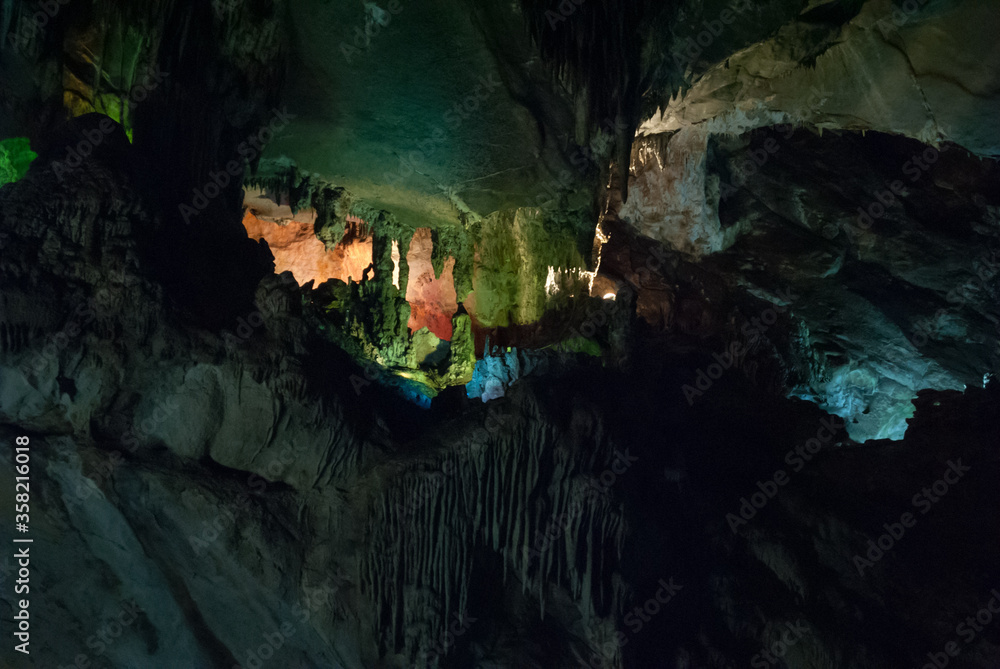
(467, 334)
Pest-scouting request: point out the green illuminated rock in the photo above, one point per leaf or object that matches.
(462, 359)
(15, 158)
(515, 251)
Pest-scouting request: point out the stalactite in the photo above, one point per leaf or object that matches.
(496, 495)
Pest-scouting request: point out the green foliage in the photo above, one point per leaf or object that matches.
(15, 158)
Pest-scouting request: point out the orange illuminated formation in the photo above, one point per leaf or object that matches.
(432, 299)
(296, 248)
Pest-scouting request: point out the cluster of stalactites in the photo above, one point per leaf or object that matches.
(549, 529)
(596, 50)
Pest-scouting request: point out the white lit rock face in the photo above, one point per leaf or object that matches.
(931, 75)
(911, 74)
(669, 197)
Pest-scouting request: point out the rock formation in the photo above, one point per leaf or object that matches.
(608, 334)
